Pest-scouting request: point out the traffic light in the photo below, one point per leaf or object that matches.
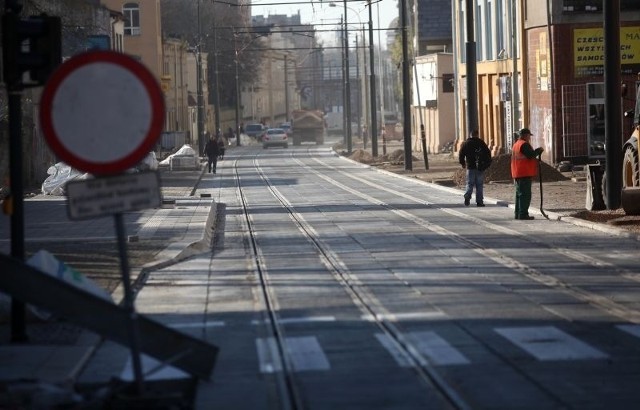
(32, 45)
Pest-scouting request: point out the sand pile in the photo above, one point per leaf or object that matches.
(500, 170)
(362, 156)
(396, 157)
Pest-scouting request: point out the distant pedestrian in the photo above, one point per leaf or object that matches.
(524, 167)
(365, 134)
(221, 147)
(475, 156)
(212, 151)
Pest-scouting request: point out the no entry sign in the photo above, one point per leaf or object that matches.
(101, 112)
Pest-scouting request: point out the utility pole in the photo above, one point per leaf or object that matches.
(406, 88)
(359, 116)
(347, 83)
(235, 43)
(200, 99)
(372, 85)
(216, 107)
(472, 72)
(612, 97)
(286, 89)
(515, 100)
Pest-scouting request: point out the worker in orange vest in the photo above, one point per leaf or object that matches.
(524, 167)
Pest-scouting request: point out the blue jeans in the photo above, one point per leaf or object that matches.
(475, 178)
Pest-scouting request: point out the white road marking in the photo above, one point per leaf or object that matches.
(550, 343)
(398, 317)
(293, 320)
(434, 349)
(631, 329)
(398, 355)
(304, 352)
(268, 355)
(193, 325)
(152, 370)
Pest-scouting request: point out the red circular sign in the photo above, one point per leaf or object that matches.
(101, 112)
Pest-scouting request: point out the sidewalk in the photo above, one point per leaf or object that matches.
(57, 351)
(561, 200)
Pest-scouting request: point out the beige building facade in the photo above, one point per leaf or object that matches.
(171, 61)
(174, 84)
(142, 31)
(433, 102)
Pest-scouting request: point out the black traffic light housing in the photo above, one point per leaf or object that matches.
(32, 45)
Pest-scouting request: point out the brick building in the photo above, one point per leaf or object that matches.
(555, 83)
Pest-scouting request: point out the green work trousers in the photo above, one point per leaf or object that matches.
(523, 196)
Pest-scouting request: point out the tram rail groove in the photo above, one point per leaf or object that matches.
(605, 304)
(285, 380)
(364, 299)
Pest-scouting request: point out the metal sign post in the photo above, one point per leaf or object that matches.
(82, 130)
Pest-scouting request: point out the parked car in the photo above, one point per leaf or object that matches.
(275, 137)
(255, 131)
(286, 127)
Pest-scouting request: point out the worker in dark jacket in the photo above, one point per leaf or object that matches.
(475, 156)
(524, 166)
(212, 151)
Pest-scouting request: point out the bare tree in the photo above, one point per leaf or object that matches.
(228, 25)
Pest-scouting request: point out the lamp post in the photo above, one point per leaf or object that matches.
(235, 42)
(372, 86)
(359, 89)
(347, 82)
(199, 97)
(216, 106)
(406, 88)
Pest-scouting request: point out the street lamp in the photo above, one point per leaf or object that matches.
(372, 78)
(199, 96)
(235, 42)
(347, 83)
(372, 88)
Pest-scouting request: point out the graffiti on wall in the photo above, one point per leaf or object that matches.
(541, 127)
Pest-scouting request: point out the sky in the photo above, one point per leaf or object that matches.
(321, 12)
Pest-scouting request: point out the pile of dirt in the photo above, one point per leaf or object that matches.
(500, 170)
(362, 156)
(396, 157)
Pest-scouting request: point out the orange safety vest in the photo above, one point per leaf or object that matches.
(521, 166)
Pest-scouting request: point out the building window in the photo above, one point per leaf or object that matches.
(479, 34)
(500, 21)
(463, 34)
(488, 30)
(131, 13)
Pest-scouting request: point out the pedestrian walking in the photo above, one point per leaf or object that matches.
(221, 147)
(365, 134)
(212, 151)
(524, 167)
(475, 156)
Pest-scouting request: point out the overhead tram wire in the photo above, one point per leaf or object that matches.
(286, 3)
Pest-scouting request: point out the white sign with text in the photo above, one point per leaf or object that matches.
(92, 198)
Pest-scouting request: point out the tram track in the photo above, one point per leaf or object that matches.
(288, 390)
(366, 302)
(603, 303)
(370, 306)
